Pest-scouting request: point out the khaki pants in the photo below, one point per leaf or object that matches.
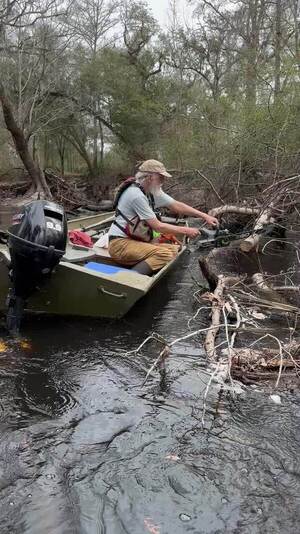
(129, 252)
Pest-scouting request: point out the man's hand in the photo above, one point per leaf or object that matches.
(192, 232)
(213, 221)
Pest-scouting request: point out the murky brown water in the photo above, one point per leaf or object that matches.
(86, 449)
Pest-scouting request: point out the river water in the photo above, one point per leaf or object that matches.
(86, 448)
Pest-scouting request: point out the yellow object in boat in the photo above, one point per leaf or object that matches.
(25, 344)
(3, 346)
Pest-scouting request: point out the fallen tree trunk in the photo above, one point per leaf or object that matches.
(8, 186)
(265, 357)
(252, 241)
(216, 307)
(266, 290)
(252, 377)
(258, 280)
(217, 285)
(286, 288)
(254, 300)
(251, 365)
(244, 210)
(104, 205)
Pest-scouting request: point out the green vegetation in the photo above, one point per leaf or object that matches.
(96, 86)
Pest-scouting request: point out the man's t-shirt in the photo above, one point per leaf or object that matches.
(134, 202)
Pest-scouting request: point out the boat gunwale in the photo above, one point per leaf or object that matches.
(75, 224)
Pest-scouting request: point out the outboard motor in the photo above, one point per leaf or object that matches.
(37, 241)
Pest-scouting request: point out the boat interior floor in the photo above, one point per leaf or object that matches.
(83, 255)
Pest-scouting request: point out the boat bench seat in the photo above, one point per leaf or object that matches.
(80, 254)
(75, 254)
(105, 268)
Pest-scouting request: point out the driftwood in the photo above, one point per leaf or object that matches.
(14, 186)
(217, 285)
(258, 280)
(252, 242)
(243, 210)
(103, 205)
(216, 307)
(264, 289)
(286, 288)
(251, 365)
(254, 376)
(65, 191)
(273, 305)
(266, 356)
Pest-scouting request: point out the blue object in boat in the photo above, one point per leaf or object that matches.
(104, 268)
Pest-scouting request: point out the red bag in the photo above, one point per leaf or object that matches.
(169, 238)
(80, 238)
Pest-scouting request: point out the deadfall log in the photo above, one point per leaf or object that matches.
(217, 285)
(252, 242)
(216, 307)
(265, 357)
(243, 210)
(266, 290)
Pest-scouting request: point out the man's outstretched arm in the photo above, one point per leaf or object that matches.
(180, 208)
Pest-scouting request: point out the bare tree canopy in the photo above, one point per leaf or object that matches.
(92, 87)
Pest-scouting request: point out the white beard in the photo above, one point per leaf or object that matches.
(155, 190)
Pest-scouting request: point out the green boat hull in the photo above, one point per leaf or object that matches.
(75, 290)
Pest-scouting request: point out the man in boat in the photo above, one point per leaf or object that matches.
(131, 236)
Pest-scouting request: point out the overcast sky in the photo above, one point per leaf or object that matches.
(160, 9)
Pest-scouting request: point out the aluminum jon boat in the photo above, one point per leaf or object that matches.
(86, 282)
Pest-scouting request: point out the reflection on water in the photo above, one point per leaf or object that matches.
(86, 449)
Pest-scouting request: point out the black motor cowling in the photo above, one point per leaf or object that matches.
(37, 242)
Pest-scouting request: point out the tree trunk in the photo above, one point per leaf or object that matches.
(266, 291)
(62, 163)
(252, 49)
(95, 144)
(46, 153)
(21, 144)
(79, 146)
(102, 144)
(61, 149)
(277, 82)
(296, 17)
(216, 308)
